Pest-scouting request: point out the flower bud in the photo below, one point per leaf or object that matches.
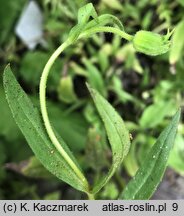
(151, 43)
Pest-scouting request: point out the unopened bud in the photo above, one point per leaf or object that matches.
(151, 43)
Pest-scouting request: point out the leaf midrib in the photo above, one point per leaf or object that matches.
(152, 167)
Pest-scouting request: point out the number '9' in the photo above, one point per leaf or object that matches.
(175, 206)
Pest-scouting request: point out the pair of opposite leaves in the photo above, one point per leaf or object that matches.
(29, 120)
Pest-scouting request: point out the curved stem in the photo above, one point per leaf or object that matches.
(42, 93)
(43, 107)
(106, 29)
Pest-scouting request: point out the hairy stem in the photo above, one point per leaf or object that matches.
(42, 92)
(44, 112)
(106, 29)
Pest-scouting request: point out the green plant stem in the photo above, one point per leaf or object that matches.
(44, 112)
(91, 196)
(42, 93)
(106, 29)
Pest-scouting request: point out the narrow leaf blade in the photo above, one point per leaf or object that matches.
(84, 14)
(177, 45)
(149, 175)
(30, 123)
(117, 134)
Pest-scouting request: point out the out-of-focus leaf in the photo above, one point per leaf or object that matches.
(149, 175)
(77, 69)
(31, 71)
(113, 4)
(127, 55)
(34, 169)
(90, 114)
(155, 113)
(7, 127)
(163, 91)
(52, 196)
(117, 134)
(66, 90)
(95, 151)
(29, 120)
(7, 123)
(110, 191)
(103, 61)
(94, 77)
(2, 160)
(177, 46)
(74, 134)
(145, 143)
(7, 20)
(176, 158)
(122, 95)
(181, 2)
(146, 21)
(130, 161)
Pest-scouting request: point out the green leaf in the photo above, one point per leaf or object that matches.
(177, 45)
(7, 21)
(53, 196)
(127, 55)
(176, 158)
(155, 113)
(66, 90)
(7, 123)
(95, 77)
(149, 175)
(31, 72)
(113, 4)
(181, 2)
(117, 134)
(122, 95)
(95, 149)
(63, 125)
(130, 161)
(110, 191)
(34, 169)
(3, 157)
(29, 121)
(84, 14)
(78, 128)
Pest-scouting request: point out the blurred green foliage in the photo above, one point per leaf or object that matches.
(145, 90)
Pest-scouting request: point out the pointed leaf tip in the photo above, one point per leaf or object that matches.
(149, 175)
(117, 134)
(29, 120)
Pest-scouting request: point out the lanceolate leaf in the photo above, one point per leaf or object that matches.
(84, 24)
(149, 175)
(95, 77)
(159, 109)
(117, 134)
(29, 121)
(177, 45)
(84, 14)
